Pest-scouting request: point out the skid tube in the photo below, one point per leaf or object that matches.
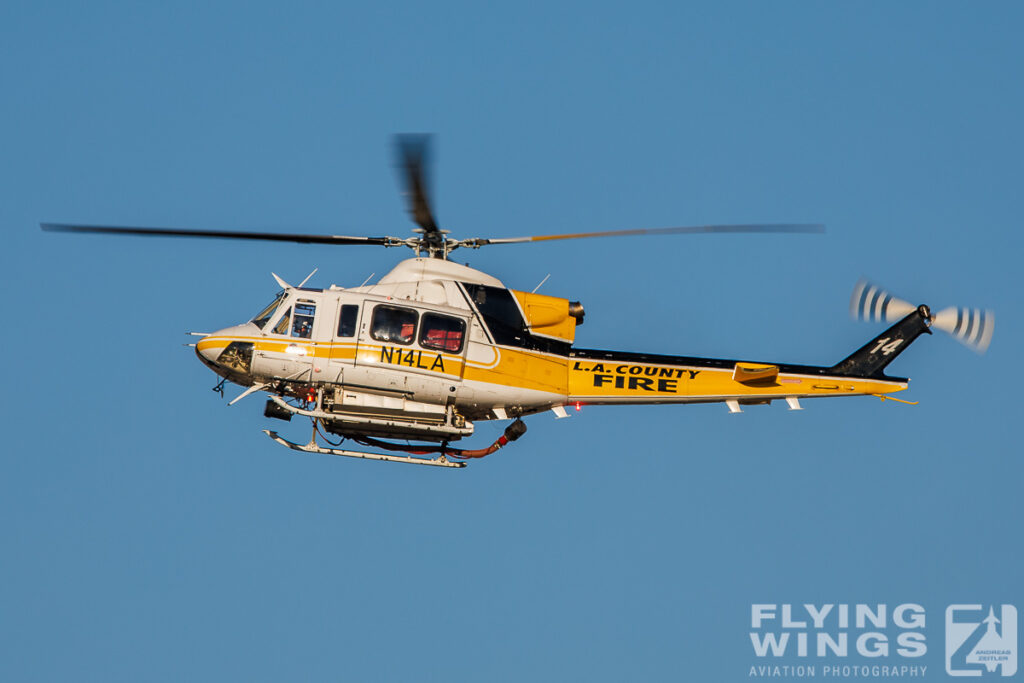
(512, 433)
(313, 447)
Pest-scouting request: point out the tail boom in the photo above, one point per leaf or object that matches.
(615, 378)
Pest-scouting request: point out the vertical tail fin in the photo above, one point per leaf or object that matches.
(871, 359)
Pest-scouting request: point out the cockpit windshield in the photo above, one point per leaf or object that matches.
(264, 316)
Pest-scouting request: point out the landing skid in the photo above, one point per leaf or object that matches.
(313, 447)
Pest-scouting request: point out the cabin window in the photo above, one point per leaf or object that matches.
(302, 323)
(442, 332)
(347, 320)
(282, 325)
(264, 316)
(393, 324)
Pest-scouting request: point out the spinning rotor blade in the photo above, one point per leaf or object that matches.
(414, 158)
(972, 327)
(224, 234)
(873, 303)
(683, 230)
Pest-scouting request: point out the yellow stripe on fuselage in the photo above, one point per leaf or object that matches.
(590, 381)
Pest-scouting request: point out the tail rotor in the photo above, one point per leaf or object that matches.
(972, 327)
(874, 303)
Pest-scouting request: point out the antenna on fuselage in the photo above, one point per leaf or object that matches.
(308, 276)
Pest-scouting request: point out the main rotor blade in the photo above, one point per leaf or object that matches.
(223, 234)
(684, 230)
(414, 158)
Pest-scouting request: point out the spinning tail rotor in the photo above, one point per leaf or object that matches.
(972, 327)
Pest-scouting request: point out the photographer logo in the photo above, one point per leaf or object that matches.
(981, 640)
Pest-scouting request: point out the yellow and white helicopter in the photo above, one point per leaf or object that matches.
(434, 346)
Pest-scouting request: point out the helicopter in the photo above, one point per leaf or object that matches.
(408, 364)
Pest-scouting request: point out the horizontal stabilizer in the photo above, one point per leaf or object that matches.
(755, 372)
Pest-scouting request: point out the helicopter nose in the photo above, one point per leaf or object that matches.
(227, 351)
(208, 348)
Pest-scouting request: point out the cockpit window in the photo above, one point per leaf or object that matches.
(302, 325)
(282, 325)
(264, 316)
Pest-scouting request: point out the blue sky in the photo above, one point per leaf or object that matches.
(152, 533)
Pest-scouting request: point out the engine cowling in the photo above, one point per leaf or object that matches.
(550, 316)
